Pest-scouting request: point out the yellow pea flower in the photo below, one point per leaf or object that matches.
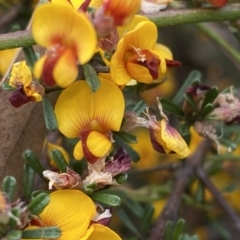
(139, 57)
(90, 116)
(72, 211)
(69, 37)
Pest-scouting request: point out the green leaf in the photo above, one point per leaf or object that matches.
(227, 143)
(106, 198)
(8, 87)
(47, 232)
(59, 159)
(30, 56)
(188, 97)
(140, 106)
(171, 107)
(8, 186)
(196, 82)
(14, 235)
(28, 181)
(208, 108)
(130, 203)
(33, 161)
(91, 77)
(168, 230)
(192, 77)
(38, 203)
(121, 177)
(36, 193)
(49, 115)
(135, 157)
(147, 216)
(127, 221)
(210, 96)
(185, 132)
(178, 229)
(127, 137)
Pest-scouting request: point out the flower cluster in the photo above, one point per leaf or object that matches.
(90, 107)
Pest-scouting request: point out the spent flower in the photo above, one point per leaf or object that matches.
(27, 90)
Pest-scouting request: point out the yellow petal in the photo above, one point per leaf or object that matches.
(163, 53)
(53, 25)
(71, 211)
(78, 151)
(130, 26)
(6, 57)
(20, 74)
(171, 140)
(141, 73)
(119, 73)
(101, 232)
(98, 144)
(65, 71)
(38, 67)
(77, 106)
(143, 36)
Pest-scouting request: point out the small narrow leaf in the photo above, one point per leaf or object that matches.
(147, 216)
(59, 160)
(208, 108)
(127, 221)
(171, 107)
(210, 96)
(188, 97)
(9, 186)
(47, 232)
(121, 177)
(38, 203)
(140, 106)
(28, 181)
(106, 198)
(192, 77)
(49, 115)
(127, 137)
(178, 229)
(227, 143)
(33, 161)
(135, 157)
(14, 235)
(30, 56)
(91, 77)
(169, 230)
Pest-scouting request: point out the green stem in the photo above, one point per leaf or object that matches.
(211, 33)
(185, 16)
(230, 12)
(16, 39)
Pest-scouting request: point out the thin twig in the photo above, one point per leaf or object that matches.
(230, 12)
(174, 199)
(218, 197)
